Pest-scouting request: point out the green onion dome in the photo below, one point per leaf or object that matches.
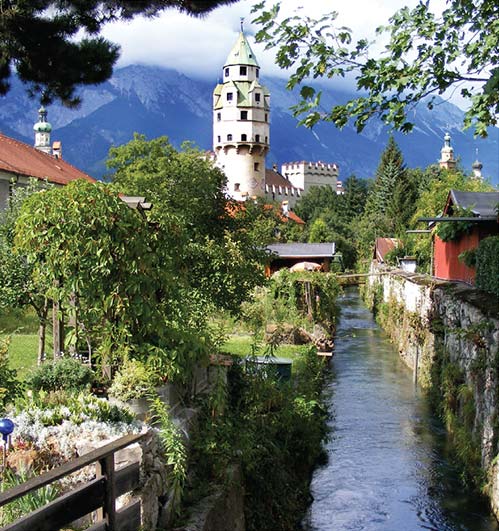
(42, 126)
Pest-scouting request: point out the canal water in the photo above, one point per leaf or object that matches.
(388, 463)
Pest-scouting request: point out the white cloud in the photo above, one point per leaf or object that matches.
(199, 46)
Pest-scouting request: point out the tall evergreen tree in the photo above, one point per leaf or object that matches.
(354, 198)
(395, 190)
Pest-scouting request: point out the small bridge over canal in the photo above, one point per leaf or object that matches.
(355, 279)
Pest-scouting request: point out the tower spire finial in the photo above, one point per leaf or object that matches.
(242, 24)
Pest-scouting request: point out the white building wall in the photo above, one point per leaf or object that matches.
(304, 175)
(245, 171)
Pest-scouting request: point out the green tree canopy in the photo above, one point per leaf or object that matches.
(206, 237)
(426, 54)
(38, 39)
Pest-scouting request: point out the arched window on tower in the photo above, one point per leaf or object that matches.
(226, 72)
(243, 71)
(244, 115)
(257, 97)
(257, 138)
(229, 137)
(244, 138)
(229, 96)
(219, 116)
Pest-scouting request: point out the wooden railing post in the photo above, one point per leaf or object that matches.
(105, 468)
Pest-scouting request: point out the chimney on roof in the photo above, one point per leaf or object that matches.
(57, 149)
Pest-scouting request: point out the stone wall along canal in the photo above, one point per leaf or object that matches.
(389, 465)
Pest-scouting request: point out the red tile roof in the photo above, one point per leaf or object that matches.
(289, 216)
(234, 207)
(383, 246)
(21, 159)
(275, 178)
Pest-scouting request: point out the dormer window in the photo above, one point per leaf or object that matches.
(230, 95)
(226, 72)
(244, 115)
(257, 97)
(243, 71)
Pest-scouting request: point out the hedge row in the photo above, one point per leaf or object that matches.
(487, 259)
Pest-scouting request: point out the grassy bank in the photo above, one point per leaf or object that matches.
(243, 345)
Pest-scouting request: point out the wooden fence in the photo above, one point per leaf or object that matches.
(98, 494)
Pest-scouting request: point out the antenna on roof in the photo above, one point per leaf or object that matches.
(242, 23)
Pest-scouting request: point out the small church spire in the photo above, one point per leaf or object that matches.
(447, 160)
(42, 130)
(477, 167)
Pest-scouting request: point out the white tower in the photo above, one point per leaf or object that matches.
(477, 168)
(241, 113)
(447, 160)
(42, 130)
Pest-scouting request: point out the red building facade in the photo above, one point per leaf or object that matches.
(446, 263)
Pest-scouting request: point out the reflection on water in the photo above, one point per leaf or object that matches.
(388, 468)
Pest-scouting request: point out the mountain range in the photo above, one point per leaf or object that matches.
(156, 101)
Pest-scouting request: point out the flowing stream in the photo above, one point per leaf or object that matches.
(388, 467)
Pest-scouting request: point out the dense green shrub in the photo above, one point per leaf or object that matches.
(298, 298)
(275, 431)
(10, 387)
(65, 373)
(133, 380)
(468, 257)
(487, 259)
(52, 409)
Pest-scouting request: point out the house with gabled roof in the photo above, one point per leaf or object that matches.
(480, 221)
(20, 162)
(289, 255)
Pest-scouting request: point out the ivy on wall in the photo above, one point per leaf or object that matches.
(487, 259)
(452, 231)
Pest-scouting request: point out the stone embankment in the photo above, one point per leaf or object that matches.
(448, 333)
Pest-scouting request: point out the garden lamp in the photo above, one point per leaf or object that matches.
(6, 428)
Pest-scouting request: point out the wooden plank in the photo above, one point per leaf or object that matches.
(105, 468)
(325, 354)
(63, 510)
(127, 518)
(127, 478)
(68, 468)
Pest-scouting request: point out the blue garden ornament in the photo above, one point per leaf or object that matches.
(6, 428)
